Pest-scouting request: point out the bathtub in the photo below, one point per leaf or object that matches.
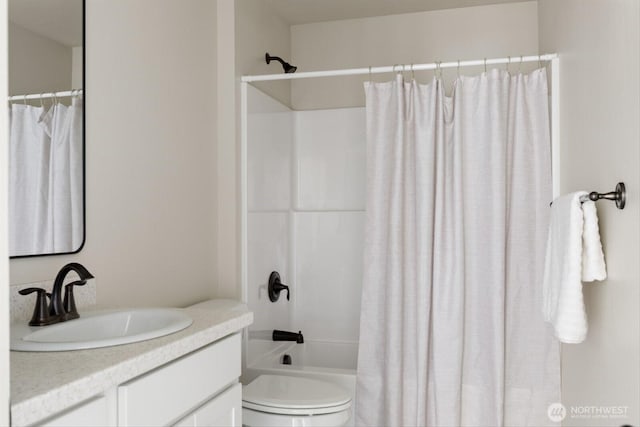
(329, 361)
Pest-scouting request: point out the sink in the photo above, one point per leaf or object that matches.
(100, 329)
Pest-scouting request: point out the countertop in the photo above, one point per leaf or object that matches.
(46, 383)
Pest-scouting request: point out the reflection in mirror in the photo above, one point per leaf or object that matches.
(46, 135)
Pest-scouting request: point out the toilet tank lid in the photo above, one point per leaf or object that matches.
(280, 391)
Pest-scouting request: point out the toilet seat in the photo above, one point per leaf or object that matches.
(284, 395)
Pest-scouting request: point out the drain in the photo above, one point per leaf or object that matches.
(286, 359)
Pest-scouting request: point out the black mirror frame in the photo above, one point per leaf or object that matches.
(84, 144)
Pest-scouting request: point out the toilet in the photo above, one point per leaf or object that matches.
(279, 400)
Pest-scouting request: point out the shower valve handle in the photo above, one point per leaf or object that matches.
(276, 286)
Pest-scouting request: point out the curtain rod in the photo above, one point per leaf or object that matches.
(46, 95)
(401, 67)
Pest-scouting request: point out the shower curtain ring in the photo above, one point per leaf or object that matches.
(458, 69)
(520, 65)
(508, 64)
(413, 74)
(24, 99)
(370, 75)
(485, 65)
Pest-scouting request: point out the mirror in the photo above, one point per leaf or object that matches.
(46, 132)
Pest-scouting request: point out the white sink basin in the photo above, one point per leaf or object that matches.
(100, 329)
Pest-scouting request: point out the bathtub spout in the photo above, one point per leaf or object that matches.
(287, 336)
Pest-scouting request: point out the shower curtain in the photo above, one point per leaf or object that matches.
(45, 179)
(458, 192)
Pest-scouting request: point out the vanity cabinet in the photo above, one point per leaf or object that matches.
(198, 389)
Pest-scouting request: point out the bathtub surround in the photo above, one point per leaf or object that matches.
(305, 200)
(269, 165)
(458, 193)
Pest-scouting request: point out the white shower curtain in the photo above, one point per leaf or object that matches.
(45, 179)
(458, 193)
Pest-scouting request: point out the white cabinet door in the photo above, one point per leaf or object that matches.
(224, 410)
(165, 395)
(221, 411)
(95, 412)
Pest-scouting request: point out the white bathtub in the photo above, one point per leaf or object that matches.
(328, 361)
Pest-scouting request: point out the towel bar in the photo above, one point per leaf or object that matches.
(619, 196)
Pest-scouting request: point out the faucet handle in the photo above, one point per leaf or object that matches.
(69, 302)
(276, 286)
(40, 315)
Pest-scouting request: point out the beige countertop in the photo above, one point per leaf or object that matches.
(46, 383)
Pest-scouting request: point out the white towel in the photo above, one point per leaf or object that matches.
(574, 254)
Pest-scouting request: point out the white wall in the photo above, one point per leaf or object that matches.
(246, 30)
(38, 64)
(151, 154)
(443, 35)
(598, 43)
(227, 177)
(77, 73)
(4, 222)
(258, 31)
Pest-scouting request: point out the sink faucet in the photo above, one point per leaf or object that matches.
(67, 310)
(59, 310)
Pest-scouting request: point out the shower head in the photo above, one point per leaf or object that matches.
(288, 68)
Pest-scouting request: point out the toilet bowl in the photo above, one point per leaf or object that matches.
(278, 400)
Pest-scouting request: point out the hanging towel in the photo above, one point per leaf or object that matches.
(574, 255)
